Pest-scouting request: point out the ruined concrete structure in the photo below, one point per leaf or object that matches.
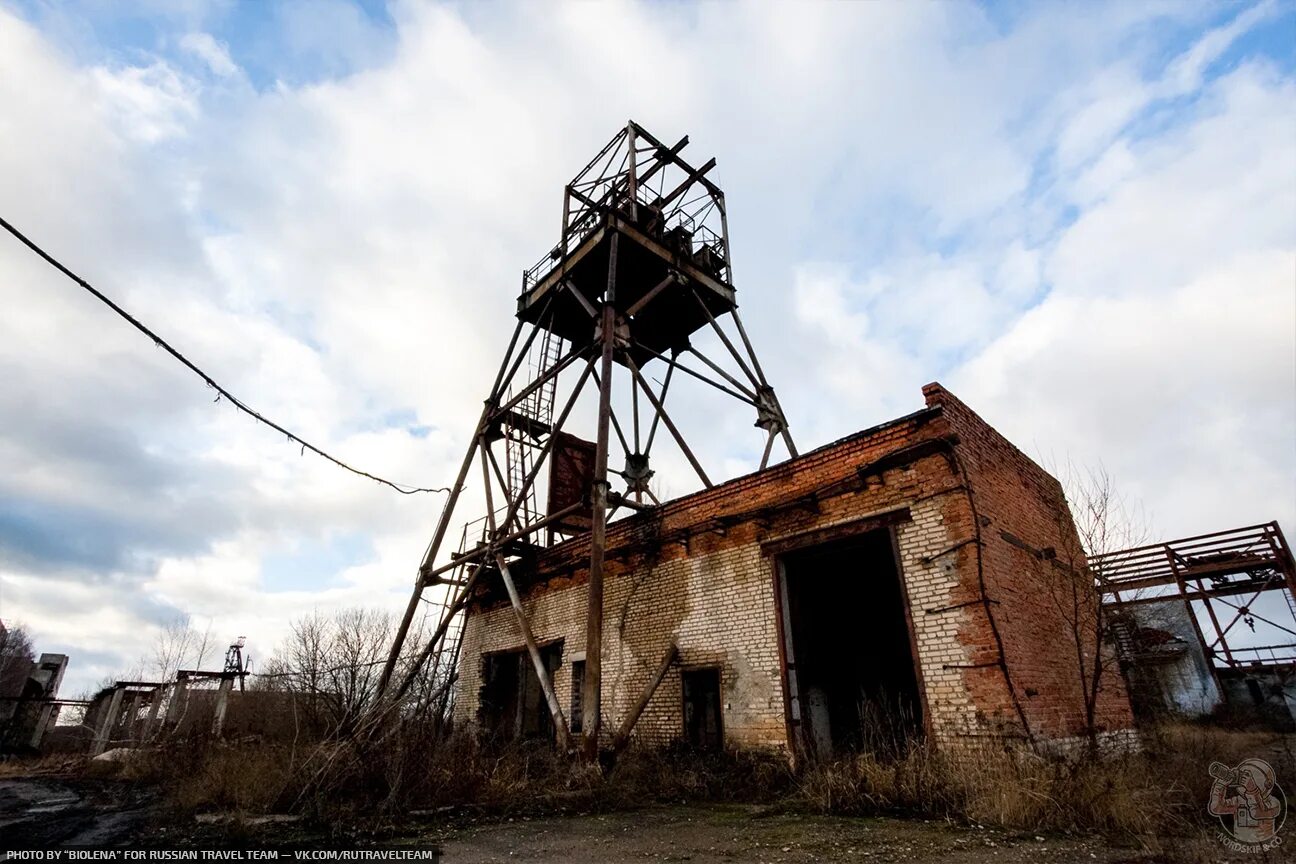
(886, 585)
(1206, 625)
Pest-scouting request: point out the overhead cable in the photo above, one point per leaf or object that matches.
(402, 488)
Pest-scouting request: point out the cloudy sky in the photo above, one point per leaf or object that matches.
(1080, 217)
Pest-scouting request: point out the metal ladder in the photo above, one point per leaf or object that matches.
(521, 448)
(444, 661)
(521, 443)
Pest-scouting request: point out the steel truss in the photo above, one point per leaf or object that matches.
(1218, 575)
(643, 263)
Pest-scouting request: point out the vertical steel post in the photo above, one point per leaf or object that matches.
(591, 693)
(633, 179)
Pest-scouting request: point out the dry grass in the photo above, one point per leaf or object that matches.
(1159, 792)
(987, 785)
(43, 766)
(1156, 793)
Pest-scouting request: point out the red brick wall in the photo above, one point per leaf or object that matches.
(1021, 505)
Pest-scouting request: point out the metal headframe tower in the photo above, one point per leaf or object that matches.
(643, 263)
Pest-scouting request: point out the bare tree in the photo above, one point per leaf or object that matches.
(16, 658)
(334, 662)
(179, 646)
(1104, 521)
(357, 649)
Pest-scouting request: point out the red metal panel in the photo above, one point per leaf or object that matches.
(571, 475)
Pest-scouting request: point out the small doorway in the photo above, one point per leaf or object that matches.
(703, 725)
(512, 704)
(852, 681)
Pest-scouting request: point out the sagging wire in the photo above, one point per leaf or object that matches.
(158, 341)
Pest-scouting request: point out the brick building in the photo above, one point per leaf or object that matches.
(890, 584)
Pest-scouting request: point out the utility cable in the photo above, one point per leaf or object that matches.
(402, 488)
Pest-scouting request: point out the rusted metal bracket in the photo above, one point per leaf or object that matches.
(941, 554)
(942, 609)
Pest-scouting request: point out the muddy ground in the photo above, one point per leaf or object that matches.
(47, 813)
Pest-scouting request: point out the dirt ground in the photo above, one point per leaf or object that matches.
(729, 833)
(48, 813)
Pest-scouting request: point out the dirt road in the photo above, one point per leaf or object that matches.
(711, 833)
(50, 813)
(46, 813)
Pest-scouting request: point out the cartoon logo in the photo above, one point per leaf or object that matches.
(1249, 803)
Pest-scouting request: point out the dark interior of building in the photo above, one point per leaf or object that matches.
(850, 648)
(512, 701)
(703, 727)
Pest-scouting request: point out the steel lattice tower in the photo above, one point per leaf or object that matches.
(643, 263)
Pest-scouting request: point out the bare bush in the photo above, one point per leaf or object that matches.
(334, 663)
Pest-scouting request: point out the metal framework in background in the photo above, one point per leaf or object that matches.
(643, 263)
(1220, 576)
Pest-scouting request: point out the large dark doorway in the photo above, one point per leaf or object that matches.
(512, 702)
(703, 726)
(851, 673)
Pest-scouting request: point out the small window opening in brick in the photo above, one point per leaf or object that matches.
(578, 683)
(512, 703)
(851, 666)
(703, 724)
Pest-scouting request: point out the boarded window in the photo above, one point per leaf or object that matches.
(702, 721)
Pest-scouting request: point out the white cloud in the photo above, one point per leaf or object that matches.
(347, 251)
(215, 54)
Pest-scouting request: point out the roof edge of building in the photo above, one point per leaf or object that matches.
(786, 467)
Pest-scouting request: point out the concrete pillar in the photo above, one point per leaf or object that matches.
(222, 702)
(42, 722)
(132, 716)
(106, 725)
(179, 704)
(150, 725)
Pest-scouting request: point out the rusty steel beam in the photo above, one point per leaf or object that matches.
(652, 428)
(592, 686)
(627, 726)
(750, 400)
(481, 552)
(524, 624)
(670, 425)
(438, 536)
(520, 495)
(672, 278)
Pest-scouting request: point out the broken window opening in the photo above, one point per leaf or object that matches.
(703, 722)
(851, 675)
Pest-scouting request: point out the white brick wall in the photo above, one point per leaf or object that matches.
(720, 609)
